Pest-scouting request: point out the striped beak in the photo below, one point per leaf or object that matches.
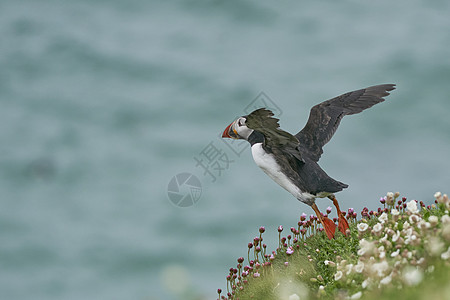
(226, 132)
(230, 132)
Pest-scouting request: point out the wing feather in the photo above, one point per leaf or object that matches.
(275, 138)
(324, 118)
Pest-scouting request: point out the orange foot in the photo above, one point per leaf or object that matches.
(329, 226)
(343, 224)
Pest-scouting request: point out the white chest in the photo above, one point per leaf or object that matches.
(269, 165)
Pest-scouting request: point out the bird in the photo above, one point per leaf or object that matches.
(292, 160)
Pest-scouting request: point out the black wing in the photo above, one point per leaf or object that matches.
(325, 117)
(275, 138)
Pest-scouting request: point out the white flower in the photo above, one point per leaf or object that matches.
(437, 195)
(445, 219)
(411, 206)
(338, 275)
(411, 238)
(365, 283)
(362, 227)
(349, 268)
(356, 295)
(446, 254)
(435, 246)
(294, 297)
(414, 219)
(395, 214)
(407, 231)
(406, 225)
(412, 276)
(424, 225)
(359, 267)
(396, 236)
(390, 195)
(378, 227)
(386, 280)
(380, 268)
(446, 232)
(366, 248)
(395, 253)
(383, 218)
(433, 220)
(329, 263)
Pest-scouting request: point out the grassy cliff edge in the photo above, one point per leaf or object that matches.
(399, 251)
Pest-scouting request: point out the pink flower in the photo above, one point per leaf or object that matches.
(289, 251)
(303, 217)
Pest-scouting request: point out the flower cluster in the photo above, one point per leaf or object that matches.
(260, 262)
(396, 245)
(395, 248)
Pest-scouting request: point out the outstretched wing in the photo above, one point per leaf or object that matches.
(325, 117)
(262, 120)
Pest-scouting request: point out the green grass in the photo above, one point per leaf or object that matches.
(399, 256)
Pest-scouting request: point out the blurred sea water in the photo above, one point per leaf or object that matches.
(103, 102)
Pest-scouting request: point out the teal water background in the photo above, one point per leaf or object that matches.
(103, 102)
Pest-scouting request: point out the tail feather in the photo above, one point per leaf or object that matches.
(332, 186)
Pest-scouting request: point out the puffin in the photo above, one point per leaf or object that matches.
(292, 160)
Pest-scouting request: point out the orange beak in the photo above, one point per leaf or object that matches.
(225, 133)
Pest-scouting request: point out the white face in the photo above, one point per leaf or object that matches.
(239, 128)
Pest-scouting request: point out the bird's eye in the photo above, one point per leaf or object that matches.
(241, 123)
